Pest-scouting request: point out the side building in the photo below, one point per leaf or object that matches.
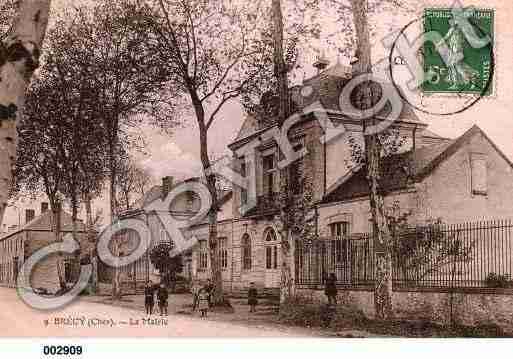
(20, 243)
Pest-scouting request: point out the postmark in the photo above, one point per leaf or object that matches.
(431, 66)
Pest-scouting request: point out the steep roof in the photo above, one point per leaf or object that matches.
(404, 168)
(43, 222)
(328, 85)
(324, 88)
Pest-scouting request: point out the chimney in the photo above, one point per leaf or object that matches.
(321, 63)
(167, 184)
(30, 214)
(44, 207)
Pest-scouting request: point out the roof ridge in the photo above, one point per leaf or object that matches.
(34, 222)
(452, 147)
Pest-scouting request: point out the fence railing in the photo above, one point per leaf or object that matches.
(478, 255)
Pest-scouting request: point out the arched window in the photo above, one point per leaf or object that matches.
(223, 251)
(270, 235)
(271, 249)
(203, 255)
(246, 251)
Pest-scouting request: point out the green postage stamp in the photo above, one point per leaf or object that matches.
(461, 61)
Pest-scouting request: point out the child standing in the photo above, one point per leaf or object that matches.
(162, 295)
(203, 302)
(195, 288)
(331, 289)
(148, 297)
(252, 297)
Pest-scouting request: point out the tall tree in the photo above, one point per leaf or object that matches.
(40, 167)
(57, 129)
(112, 38)
(287, 201)
(210, 57)
(280, 67)
(19, 57)
(75, 105)
(365, 99)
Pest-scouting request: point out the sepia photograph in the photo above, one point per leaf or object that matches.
(335, 170)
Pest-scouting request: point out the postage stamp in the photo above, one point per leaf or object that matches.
(462, 60)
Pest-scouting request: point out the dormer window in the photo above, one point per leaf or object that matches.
(478, 173)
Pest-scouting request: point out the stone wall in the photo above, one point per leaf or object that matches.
(471, 308)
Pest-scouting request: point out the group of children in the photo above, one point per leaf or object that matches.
(149, 298)
(201, 297)
(202, 294)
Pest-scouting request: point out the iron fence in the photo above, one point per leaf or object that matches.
(466, 255)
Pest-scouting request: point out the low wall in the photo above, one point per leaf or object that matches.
(471, 308)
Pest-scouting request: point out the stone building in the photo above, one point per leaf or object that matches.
(20, 243)
(184, 206)
(462, 179)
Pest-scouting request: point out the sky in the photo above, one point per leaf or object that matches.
(178, 154)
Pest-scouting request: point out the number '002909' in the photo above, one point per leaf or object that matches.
(62, 350)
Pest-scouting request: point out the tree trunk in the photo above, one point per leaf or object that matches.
(286, 281)
(116, 285)
(285, 205)
(280, 68)
(89, 216)
(90, 238)
(215, 266)
(280, 72)
(74, 226)
(116, 278)
(373, 148)
(217, 297)
(56, 227)
(19, 57)
(74, 219)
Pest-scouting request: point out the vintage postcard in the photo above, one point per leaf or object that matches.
(254, 169)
